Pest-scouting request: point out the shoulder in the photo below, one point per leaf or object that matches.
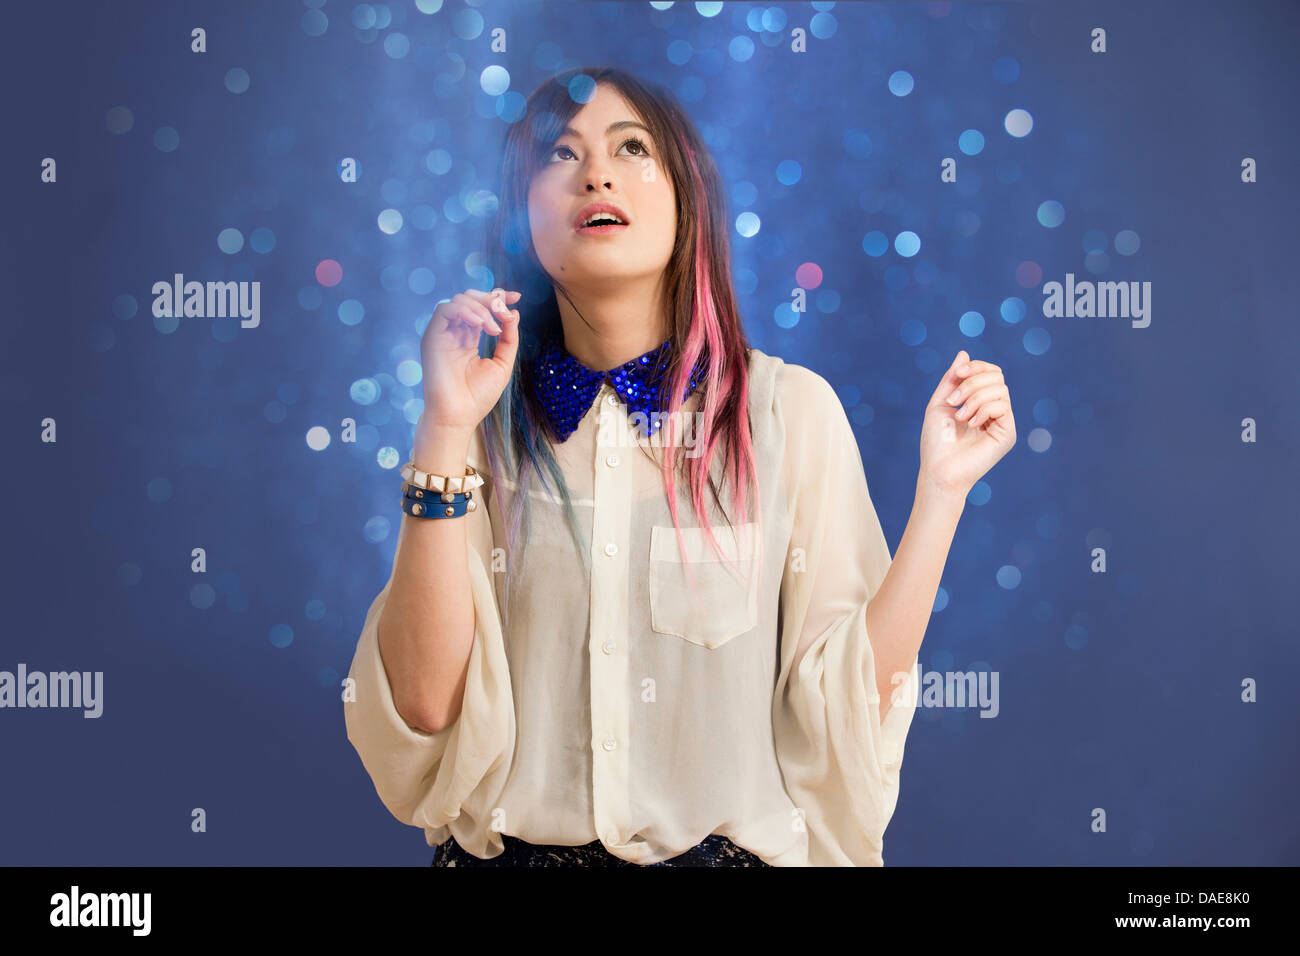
(797, 393)
(794, 411)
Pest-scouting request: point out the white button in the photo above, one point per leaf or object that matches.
(611, 549)
(613, 400)
(612, 461)
(610, 743)
(608, 647)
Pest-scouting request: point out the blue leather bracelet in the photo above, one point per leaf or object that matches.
(436, 508)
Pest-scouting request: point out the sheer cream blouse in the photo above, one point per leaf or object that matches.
(617, 704)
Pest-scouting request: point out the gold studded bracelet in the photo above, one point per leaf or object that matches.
(426, 495)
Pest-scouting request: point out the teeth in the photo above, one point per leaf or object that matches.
(604, 215)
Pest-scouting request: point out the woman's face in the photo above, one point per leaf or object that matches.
(592, 163)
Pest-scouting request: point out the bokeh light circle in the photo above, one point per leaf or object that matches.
(124, 307)
(1051, 213)
(409, 372)
(494, 80)
(1006, 69)
(907, 244)
(788, 172)
(971, 324)
(971, 142)
(329, 272)
(166, 139)
(808, 275)
(1095, 241)
(1029, 274)
(203, 596)
(1008, 577)
(119, 120)
(875, 244)
(351, 312)
(230, 241)
(1127, 242)
(262, 240)
(365, 391)
(1018, 123)
(901, 83)
(237, 80)
(159, 490)
(397, 45)
(1037, 340)
(314, 23)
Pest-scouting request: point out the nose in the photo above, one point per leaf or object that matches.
(596, 174)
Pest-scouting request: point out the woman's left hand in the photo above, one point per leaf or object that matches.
(964, 436)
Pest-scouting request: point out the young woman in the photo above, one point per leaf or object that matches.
(642, 611)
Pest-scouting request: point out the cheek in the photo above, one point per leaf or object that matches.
(543, 212)
(660, 198)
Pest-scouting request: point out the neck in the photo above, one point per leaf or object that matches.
(619, 322)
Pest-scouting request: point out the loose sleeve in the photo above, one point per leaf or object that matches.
(839, 760)
(430, 780)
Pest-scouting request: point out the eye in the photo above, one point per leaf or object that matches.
(644, 151)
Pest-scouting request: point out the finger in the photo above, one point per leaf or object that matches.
(480, 294)
(461, 319)
(461, 324)
(991, 411)
(502, 312)
(467, 304)
(508, 341)
(980, 397)
(973, 384)
(496, 302)
(950, 379)
(977, 365)
(497, 295)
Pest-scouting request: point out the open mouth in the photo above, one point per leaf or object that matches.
(600, 218)
(601, 224)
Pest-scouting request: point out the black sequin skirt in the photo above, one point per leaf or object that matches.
(713, 850)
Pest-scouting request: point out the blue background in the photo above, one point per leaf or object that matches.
(1118, 690)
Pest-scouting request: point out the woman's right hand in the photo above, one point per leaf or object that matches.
(460, 386)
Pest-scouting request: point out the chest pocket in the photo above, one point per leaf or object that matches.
(724, 602)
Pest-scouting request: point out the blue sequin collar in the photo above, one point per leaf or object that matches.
(565, 387)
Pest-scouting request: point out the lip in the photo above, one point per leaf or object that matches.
(591, 209)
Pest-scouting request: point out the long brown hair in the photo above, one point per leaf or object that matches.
(704, 323)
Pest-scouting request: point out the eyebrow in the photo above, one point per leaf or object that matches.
(621, 124)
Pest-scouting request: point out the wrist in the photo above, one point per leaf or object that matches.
(939, 497)
(441, 449)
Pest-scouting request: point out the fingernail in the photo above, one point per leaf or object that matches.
(952, 399)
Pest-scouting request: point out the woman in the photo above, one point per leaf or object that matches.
(666, 628)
